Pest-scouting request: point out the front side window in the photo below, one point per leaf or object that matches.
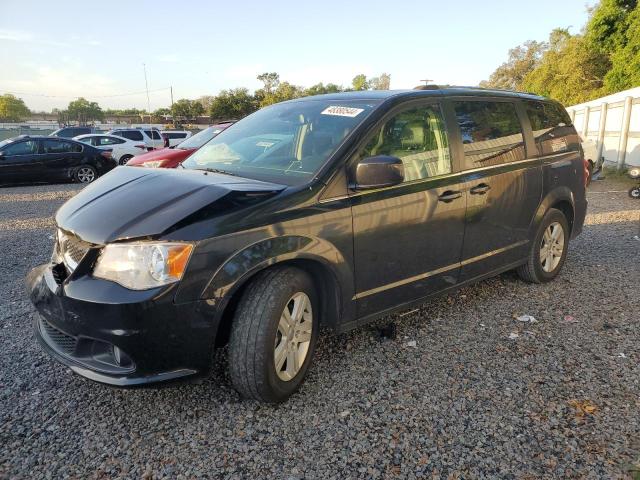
(416, 136)
(200, 138)
(53, 146)
(286, 143)
(21, 148)
(491, 133)
(153, 134)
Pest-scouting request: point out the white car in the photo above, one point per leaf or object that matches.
(175, 136)
(150, 136)
(590, 149)
(123, 149)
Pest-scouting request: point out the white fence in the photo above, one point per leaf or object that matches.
(613, 123)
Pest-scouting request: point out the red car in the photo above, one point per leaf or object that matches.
(173, 156)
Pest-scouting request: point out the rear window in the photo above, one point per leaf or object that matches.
(174, 135)
(130, 134)
(491, 133)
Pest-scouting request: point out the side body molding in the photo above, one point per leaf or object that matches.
(310, 253)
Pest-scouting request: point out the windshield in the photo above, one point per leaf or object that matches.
(285, 143)
(6, 142)
(199, 138)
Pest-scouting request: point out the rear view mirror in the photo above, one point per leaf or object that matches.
(377, 172)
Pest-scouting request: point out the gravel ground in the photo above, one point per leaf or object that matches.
(560, 400)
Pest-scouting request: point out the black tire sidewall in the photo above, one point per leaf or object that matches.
(124, 159)
(553, 215)
(635, 190)
(279, 390)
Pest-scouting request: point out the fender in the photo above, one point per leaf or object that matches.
(558, 194)
(245, 263)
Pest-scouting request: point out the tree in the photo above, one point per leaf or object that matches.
(161, 112)
(270, 80)
(186, 108)
(232, 104)
(522, 60)
(284, 91)
(84, 111)
(383, 82)
(320, 89)
(359, 82)
(13, 109)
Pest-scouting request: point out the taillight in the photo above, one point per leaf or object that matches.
(106, 154)
(585, 164)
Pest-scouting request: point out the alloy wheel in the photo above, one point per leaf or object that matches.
(293, 336)
(86, 175)
(552, 247)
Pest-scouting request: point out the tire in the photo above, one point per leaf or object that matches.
(124, 159)
(85, 174)
(635, 193)
(539, 269)
(256, 335)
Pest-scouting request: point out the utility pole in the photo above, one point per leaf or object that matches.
(146, 84)
(171, 87)
(426, 81)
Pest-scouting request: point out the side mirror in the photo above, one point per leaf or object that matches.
(377, 172)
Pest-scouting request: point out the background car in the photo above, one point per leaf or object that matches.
(70, 132)
(122, 149)
(174, 156)
(150, 136)
(590, 149)
(176, 136)
(47, 159)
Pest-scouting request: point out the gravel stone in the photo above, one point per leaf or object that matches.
(562, 400)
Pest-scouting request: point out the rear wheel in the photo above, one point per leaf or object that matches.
(273, 335)
(548, 249)
(124, 159)
(85, 174)
(635, 193)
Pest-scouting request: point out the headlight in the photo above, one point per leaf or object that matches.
(634, 173)
(140, 266)
(153, 164)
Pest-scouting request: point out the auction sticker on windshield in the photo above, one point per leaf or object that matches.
(342, 111)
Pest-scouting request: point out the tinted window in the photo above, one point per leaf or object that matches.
(550, 124)
(54, 146)
(174, 135)
(491, 133)
(131, 134)
(418, 138)
(87, 140)
(22, 148)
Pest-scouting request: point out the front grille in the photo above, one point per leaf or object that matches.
(72, 249)
(57, 339)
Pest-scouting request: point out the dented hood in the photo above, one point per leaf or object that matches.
(132, 202)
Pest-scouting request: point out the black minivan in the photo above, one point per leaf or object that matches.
(323, 211)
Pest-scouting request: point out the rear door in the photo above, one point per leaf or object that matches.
(503, 183)
(20, 161)
(60, 157)
(408, 238)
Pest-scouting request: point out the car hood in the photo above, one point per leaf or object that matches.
(161, 154)
(131, 202)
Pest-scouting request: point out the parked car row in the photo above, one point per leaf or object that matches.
(152, 137)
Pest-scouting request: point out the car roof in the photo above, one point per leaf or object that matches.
(420, 92)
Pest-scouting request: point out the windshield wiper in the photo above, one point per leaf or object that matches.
(215, 170)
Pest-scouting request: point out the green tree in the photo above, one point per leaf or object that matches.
(84, 111)
(270, 81)
(320, 89)
(522, 60)
(12, 109)
(284, 91)
(186, 108)
(359, 82)
(160, 112)
(232, 104)
(383, 82)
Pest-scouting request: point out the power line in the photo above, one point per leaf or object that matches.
(89, 96)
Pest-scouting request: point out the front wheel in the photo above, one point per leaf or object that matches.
(548, 249)
(273, 335)
(635, 193)
(85, 174)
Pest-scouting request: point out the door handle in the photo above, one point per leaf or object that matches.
(449, 196)
(480, 189)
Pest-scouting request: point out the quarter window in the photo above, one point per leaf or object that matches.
(22, 148)
(417, 137)
(491, 133)
(551, 125)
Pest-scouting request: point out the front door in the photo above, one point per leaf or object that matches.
(503, 186)
(60, 158)
(408, 238)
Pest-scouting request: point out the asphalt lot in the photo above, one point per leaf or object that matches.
(560, 400)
